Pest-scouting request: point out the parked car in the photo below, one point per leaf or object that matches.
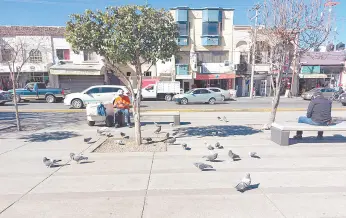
(327, 93)
(94, 94)
(199, 95)
(161, 90)
(4, 97)
(225, 94)
(39, 91)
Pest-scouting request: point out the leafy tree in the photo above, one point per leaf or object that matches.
(131, 34)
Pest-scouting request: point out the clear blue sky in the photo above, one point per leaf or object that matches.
(55, 12)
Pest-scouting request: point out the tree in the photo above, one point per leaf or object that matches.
(126, 35)
(290, 28)
(16, 53)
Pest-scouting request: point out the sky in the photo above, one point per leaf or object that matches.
(56, 12)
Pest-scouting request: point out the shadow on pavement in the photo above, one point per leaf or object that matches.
(220, 131)
(164, 123)
(50, 136)
(337, 138)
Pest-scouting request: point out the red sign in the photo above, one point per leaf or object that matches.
(146, 82)
(200, 76)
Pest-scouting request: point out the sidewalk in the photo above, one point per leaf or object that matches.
(302, 180)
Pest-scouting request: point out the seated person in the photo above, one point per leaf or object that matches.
(319, 114)
(122, 104)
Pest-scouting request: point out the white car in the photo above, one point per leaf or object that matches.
(225, 94)
(94, 94)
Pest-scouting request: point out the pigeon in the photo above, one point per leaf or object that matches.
(253, 154)
(184, 145)
(225, 119)
(209, 146)
(211, 157)
(203, 166)
(122, 134)
(233, 155)
(119, 142)
(77, 158)
(172, 124)
(244, 184)
(109, 135)
(171, 141)
(219, 118)
(102, 131)
(148, 139)
(158, 130)
(167, 135)
(50, 163)
(218, 146)
(87, 140)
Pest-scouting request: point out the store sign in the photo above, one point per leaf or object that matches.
(311, 70)
(76, 72)
(214, 76)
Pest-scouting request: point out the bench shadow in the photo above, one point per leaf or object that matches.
(164, 123)
(87, 162)
(50, 136)
(337, 138)
(221, 131)
(59, 165)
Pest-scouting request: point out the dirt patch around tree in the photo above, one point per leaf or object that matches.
(111, 145)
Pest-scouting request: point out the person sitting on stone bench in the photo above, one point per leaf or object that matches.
(318, 114)
(122, 105)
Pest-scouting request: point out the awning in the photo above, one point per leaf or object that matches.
(201, 76)
(313, 76)
(76, 72)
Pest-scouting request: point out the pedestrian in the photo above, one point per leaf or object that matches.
(318, 114)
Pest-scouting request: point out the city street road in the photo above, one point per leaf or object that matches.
(239, 103)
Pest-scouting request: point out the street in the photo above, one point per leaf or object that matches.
(239, 103)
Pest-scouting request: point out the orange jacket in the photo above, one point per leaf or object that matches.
(124, 100)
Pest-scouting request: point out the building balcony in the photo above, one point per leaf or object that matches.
(182, 71)
(181, 15)
(183, 40)
(210, 40)
(212, 15)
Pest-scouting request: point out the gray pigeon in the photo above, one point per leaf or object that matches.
(87, 140)
(77, 158)
(244, 184)
(218, 146)
(167, 135)
(158, 130)
(119, 142)
(148, 139)
(211, 157)
(219, 118)
(253, 154)
(184, 145)
(172, 124)
(50, 163)
(122, 134)
(209, 146)
(225, 119)
(233, 155)
(171, 141)
(203, 166)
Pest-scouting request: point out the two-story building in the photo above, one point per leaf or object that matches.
(205, 57)
(31, 48)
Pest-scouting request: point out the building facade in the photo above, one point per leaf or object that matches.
(205, 58)
(28, 48)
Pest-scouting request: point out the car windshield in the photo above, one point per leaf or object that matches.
(190, 91)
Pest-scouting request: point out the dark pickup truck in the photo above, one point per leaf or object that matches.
(39, 91)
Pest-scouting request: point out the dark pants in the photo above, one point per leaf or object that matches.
(118, 117)
(309, 121)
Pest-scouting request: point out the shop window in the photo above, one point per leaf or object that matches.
(183, 29)
(63, 54)
(35, 56)
(90, 56)
(147, 73)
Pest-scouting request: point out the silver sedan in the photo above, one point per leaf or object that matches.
(199, 95)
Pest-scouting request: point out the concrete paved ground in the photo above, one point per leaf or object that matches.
(302, 180)
(239, 103)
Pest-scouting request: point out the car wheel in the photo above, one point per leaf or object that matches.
(184, 101)
(91, 123)
(77, 103)
(212, 101)
(2, 103)
(168, 97)
(343, 104)
(223, 98)
(50, 98)
(109, 121)
(59, 100)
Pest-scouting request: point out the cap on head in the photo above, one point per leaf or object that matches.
(120, 92)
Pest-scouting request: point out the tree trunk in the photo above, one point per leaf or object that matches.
(276, 99)
(136, 107)
(19, 128)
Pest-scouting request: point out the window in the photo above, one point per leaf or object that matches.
(149, 88)
(128, 74)
(6, 54)
(210, 29)
(90, 56)
(183, 29)
(35, 56)
(147, 73)
(204, 91)
(30, 86)
(243, 57)
(93, 91)
(63, 54)
(212, 57)
(196, 92)
(215, 90)
(109, 89)
(183, 57)
(41, 86)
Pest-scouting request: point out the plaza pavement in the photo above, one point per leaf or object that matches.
(302, 180)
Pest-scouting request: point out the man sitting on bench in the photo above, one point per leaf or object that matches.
(122, 105)
(318, 114)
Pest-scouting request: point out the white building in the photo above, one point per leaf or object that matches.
(32, 48)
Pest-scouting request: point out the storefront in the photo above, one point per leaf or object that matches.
(223, 81)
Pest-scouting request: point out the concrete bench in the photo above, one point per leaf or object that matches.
(174, 114)
(280, 133)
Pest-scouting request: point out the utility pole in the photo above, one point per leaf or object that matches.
(256, 8)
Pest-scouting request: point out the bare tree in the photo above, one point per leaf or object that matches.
(290, 28)
(16, 52)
